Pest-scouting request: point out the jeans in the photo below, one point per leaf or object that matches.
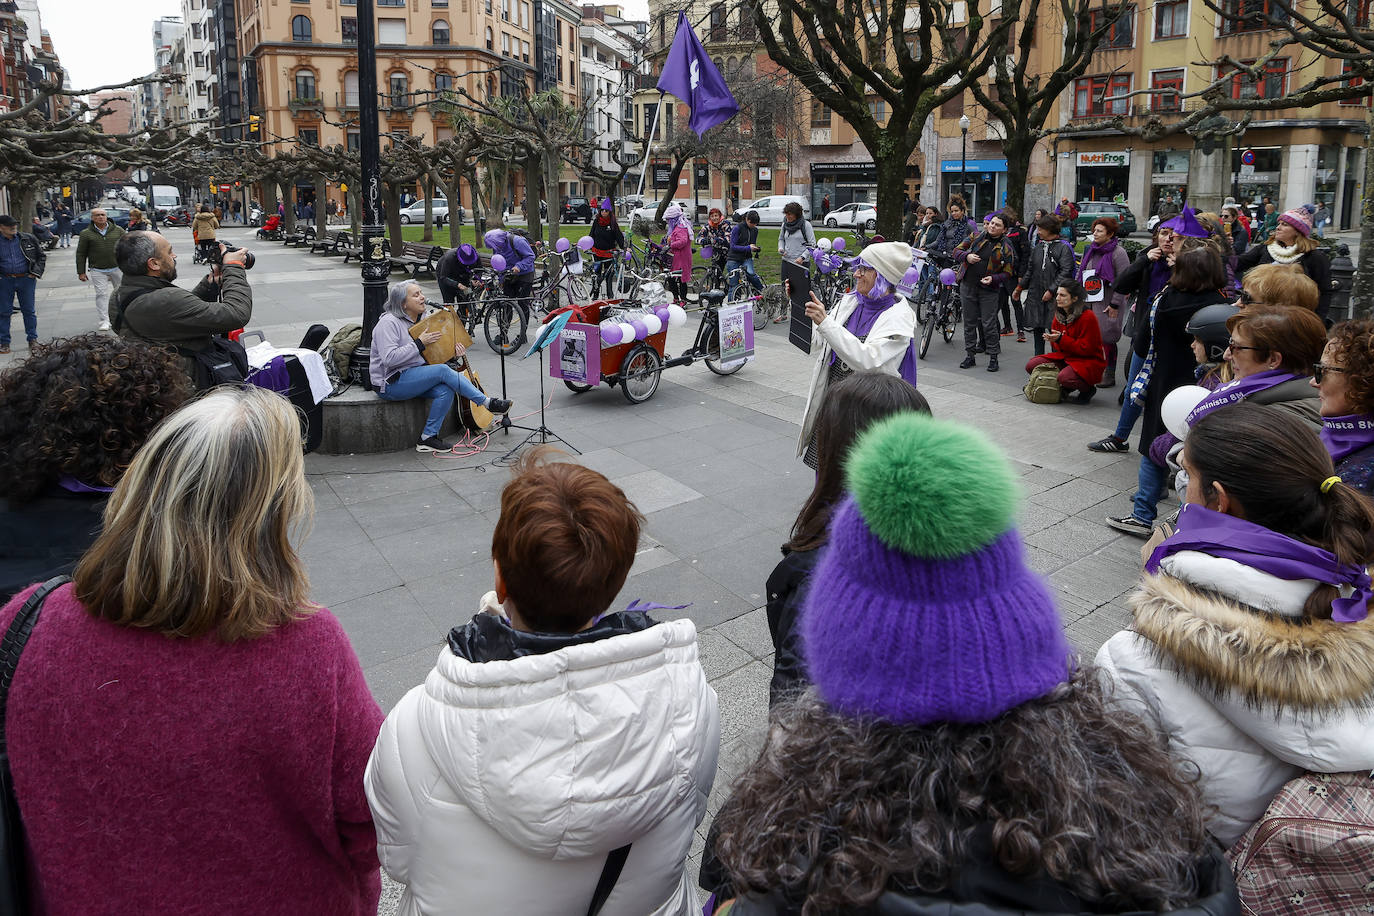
(980, 311)
(1149, 490)
(65, 238)
(24, 288)
(731, 282)
(106, 283)
(1130, 411)
(439, 383)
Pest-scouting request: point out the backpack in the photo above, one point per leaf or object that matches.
(1313, 851)
(223, 362)
(1043, 385)
(337, 352)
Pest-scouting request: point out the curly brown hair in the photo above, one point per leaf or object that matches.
(1354, 345)
(81, 407)
(839, 809)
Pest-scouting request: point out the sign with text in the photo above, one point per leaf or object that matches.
(663, 176)
(736, 332)
(576, 354)
(1099, 160)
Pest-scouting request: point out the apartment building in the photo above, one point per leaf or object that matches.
(15, 88)
(202, 84)
(611, 53)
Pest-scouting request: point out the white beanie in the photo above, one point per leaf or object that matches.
(891, 259)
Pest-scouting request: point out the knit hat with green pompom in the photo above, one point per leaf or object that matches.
(921, 608)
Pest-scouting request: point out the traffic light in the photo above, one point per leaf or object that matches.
(253, 122)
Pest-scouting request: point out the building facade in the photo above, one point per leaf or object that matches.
(202, 84)
(613, 66)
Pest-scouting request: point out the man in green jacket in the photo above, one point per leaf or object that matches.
(95, 260)
(149, 308)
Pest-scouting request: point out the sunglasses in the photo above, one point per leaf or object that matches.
(1320, 369)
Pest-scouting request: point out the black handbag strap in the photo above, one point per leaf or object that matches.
(610, 874)
(13, 644)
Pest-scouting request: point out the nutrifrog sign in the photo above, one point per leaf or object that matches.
(1109, 160)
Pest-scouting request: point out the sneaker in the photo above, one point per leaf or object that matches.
(1081, 397)
(992, 364)
(498, 405)
(1109, 444)
(968, 363)
(104, 326)
(4, 348)
(1007, 332)
(433, 444)
(1131, 525)
(1020, 336)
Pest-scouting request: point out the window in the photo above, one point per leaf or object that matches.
(1093, 96)
(1250, 16)
(763, 180)
(490, 47)
(820, 114)
(439, 31)
(308, 136)
(505, 45)
(1119, 34)
(398, 86)
(349, 27)
(747, 30)
(505, 10)
(524, 10)
(488, 7)
(400, 3)
(717, 32)
(1171, 19)
(1271, 84)
(300, 28)
(1172, 82)
(443, 83)
(391, 31)
(1362, 101)
(305, 84)
(351, 89)
(587, 51)
(525, 51)
(878, 108)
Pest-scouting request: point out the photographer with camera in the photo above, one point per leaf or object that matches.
(150, 309)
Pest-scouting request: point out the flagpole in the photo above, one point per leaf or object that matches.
(648, 154)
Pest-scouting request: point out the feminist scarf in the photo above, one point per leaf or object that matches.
(1239, 390)
(1344, 435)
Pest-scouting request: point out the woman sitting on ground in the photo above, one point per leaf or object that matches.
(1249, 651)
(1075, 344)
(1344, 380)
(400, 372)
(72, 416)
(850, 407)
(949, 757)
(223, 720)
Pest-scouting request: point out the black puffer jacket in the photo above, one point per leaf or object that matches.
(786, 592)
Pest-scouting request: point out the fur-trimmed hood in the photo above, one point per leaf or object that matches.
(1260, 658)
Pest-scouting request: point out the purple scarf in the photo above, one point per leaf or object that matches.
(862, 319)
(1106, 269)
(1344, 435)
(1159, 278)
(72, 485)
(1231, 538)
(1239, 390)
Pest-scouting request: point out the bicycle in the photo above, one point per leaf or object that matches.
(575, 285)
(946, 313)
(503, 320)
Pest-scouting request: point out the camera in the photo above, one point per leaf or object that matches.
(214, 255)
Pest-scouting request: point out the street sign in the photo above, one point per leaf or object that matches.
(141, 176)
(1247, 157)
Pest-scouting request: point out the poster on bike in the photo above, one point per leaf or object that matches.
(736, 332)
(576, 354)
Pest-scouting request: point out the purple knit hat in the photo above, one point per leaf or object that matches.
(921, 608)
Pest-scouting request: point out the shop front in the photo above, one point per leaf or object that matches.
(1104, 175)
(1168, 180)
(844, 182)
(981, 182)
(1257, 175)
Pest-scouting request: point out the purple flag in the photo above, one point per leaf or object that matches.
(689, 74)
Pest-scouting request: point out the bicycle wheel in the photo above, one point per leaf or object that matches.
(760, 315)
(504, 326)
(580, 288)
(699, 281)
(712, 357)
(926, 335)
(640, 374)
(577, 387)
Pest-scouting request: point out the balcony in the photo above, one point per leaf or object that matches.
(346, 101)
(301, 105)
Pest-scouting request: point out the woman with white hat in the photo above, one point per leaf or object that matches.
(871, 328)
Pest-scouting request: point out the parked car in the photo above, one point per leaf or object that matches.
(1089, 210)
(851, 215)
(577, 210)
(770, 208)
(415, 213)
(118, 215)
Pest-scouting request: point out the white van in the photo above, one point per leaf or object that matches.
(769, 209)
(165, 197)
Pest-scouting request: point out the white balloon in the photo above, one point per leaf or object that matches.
(677, 316)
(653, 323)
(823, 244)
(1176, 407)
(627, 332)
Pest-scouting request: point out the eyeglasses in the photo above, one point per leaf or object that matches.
(1232, 345)
(1245, 298)
(1320, 369)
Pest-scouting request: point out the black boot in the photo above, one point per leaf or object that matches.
(992, 364)
(969, 362)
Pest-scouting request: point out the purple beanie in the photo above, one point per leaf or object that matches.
(921, 608)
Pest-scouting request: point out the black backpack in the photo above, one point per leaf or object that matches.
(223, 362)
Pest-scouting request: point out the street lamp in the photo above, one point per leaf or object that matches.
(375, 267)
(963, 156)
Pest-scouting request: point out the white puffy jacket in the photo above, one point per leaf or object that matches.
(500, 787)
(1218, 663)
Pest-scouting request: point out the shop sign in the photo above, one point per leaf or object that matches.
(1259, 178)
(1098, 160)
(765, 173)
(974, 165)
(1163, 178)
(843, 167)
(663, 176)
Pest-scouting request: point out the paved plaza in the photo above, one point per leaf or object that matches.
(400, 546)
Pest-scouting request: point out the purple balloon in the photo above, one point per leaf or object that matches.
(948, 277)
(562, 245)
(641, 330)
(838, 244)
(912, 276)
(610, 333)
(627, 257)
(498, 262)
(585, 243)
(707, 252)
(662, 313)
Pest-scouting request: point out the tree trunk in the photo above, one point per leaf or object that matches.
(392, 195)
(288, 201)
(24, 209)
(355, 211)
(1362, 290)
(1017, 147)
(453, 190)
(427, 188)
(534, 181)
(551, 170)
(891, 170)
(321, 207)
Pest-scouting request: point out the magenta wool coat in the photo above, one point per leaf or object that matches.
(168, 775)
(680, 244)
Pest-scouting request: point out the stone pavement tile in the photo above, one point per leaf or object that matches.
(390, 902)
(434, 505)
(1072, 538)
(424, 552)
(331, 465)
(742, 566)
(1095, 579)
(775, 501)
(731, 434)
(451, 597)
(689, 416)
(685, 528)
(750, 632)
(652, 491)
(347, 573)
(651, 557)
(331, 530)
(387, 625)
(1032, 518)
(1071, 607)
(610, 462)
(742, 734)
(325, 497)
(778, 410)
(1119, 475)
(1090, 632)
(668, 449)
(393, 679)
(1042, 561)
(719, 655)
(712, 473)
(1041, 478)
(775, 455)
(1073, 496)
(679, 583)
(479, 486)
(364, 486)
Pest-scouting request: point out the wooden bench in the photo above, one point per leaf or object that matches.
(355, 250)
(299, 236)
(335, 241)
(416, 257)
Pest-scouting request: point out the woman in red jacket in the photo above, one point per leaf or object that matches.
(1076, 342)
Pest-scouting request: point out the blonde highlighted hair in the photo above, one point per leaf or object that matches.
(196, 538)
